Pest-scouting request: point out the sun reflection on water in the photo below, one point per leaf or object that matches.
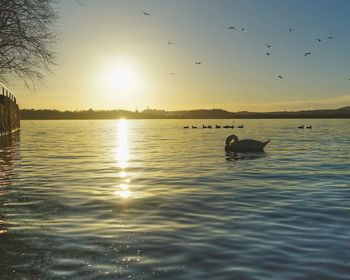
(123, 191)
(123, 148)
(122, 157)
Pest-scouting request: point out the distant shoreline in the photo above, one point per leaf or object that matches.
(31, 114)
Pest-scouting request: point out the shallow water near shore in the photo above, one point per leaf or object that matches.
(147, 199)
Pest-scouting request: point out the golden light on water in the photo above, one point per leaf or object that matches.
(122, 157)
(123, 174)
(122, 154)
(123, 191)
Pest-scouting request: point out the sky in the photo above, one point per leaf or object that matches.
(112, 56)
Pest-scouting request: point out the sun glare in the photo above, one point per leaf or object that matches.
(120, 77)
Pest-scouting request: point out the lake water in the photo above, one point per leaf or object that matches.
(147, 199)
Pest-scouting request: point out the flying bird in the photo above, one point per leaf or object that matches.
(80, 3)
(146, 14)
(267, 45)
(318, 39)
(232, 27)
(198, 62)
(280, 77)
(291, 29)
(330, 37)
(308, 53)
(243, 29)
(267, 53)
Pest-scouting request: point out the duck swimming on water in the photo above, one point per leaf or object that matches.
(233, 144)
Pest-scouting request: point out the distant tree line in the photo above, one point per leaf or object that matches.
(31, 114)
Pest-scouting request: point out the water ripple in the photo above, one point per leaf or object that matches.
(149, 200)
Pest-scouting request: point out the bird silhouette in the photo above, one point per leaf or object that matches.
(80, 3)
(267, 53)
(146, 14)
(318, 39)
(280, 77)
(308, 53)
(267, 45)
(232, 28)
(291, 29)
(243, 29)
(330, 37)
(198, 62)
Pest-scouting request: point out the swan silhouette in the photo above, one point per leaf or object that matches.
(233, 144)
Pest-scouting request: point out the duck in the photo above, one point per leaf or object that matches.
(228, 126)
(240, 126)
(193, 127)
(217, 126)
(301, 126)
(309, 127)
(233, 144)
(185, 127)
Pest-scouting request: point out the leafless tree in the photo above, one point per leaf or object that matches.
(27, 38)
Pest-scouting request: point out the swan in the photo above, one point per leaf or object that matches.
(233, 144)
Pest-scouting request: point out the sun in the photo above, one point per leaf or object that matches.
(120, 77)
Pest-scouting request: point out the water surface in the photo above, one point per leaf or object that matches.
(148, 199)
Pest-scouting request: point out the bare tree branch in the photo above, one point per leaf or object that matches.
(26, 38)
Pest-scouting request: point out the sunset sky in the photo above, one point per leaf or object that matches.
(112, 56)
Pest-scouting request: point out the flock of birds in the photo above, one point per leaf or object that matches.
(216, 126)
(238, 126)
(269, 46)
(244, 29)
